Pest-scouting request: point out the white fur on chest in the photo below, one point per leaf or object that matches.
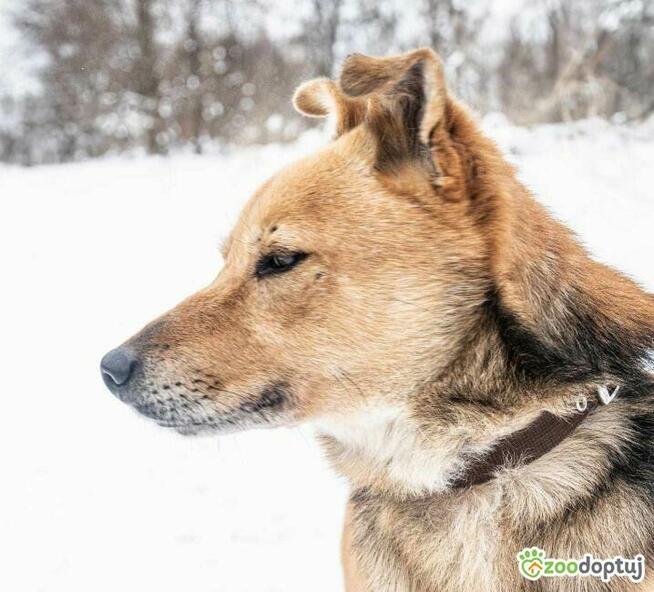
(386, 438)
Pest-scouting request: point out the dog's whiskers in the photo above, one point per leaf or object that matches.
(341, 374)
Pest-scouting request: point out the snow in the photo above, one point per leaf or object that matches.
(94, 497)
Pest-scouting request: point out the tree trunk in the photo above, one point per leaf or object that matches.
(147, 83)
(328, 20)
(194, 60)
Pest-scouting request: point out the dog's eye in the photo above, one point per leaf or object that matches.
(278, 263)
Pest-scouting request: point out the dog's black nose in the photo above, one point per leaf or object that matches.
(117, 366)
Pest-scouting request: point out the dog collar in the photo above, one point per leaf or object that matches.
(533, 441)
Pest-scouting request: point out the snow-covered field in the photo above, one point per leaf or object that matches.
(94, 498)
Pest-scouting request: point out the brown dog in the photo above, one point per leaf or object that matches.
(403, 291)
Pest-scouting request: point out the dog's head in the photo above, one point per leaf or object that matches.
(347, 279)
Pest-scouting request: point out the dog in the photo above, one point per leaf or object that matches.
(483, 384)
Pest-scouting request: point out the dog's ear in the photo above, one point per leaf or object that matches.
(406, 102)
(323, 98)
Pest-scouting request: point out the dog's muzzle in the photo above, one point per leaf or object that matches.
(188, 403)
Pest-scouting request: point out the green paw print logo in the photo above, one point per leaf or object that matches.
(531, 563)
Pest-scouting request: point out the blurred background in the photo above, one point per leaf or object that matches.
(152, 121)
(83, 78)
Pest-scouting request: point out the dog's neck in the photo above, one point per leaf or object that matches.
(393, 451)
(420, 446)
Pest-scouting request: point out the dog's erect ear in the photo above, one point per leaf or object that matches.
(323, 98)
(406, 101)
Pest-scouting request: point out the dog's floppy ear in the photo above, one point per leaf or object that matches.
(323, 98)
(406, 101)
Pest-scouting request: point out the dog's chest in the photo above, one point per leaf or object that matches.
(435, 545)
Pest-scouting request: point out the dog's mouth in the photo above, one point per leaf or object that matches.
(217, 426)
(191, 428)
(195, 413)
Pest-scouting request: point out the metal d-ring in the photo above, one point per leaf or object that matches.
(582, 403)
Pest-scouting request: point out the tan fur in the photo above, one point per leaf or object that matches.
(381, 337)
(354, 580)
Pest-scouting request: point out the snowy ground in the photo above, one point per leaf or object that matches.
(94, 497)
